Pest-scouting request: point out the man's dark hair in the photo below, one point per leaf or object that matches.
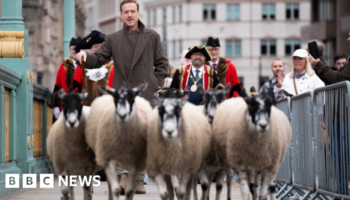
(128, 1)
(339, 56)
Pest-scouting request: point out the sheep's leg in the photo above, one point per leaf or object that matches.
(266, 180)
(192, 182)
(256, 186)
(272, 186)
(181, 192)
(170, 186)
(71, 193)
(228, 182)
(112, 178)
(87, 192)
(242, 174)
(130, 188)
(203, 179)
(219, 183)
(210, 176)
(65, 188)
(161, 185)
(110, 196)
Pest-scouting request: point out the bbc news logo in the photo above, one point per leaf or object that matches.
(47, 180)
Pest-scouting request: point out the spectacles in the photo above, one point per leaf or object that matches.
(213, 49)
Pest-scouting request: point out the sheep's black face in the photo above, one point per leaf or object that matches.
(170, 117)
(259, 109)
(124, 99)
(72, 107)
(212, 99)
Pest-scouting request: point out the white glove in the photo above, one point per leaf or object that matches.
(56, 112)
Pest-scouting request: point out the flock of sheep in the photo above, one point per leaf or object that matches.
(247, 134)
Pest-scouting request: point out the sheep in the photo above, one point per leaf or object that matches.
(66, 145)
(175, 127)
(116, 132)
(211, 100)
(251, 135)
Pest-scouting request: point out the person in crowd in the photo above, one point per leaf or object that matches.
(224, 68)
(65, 75)
(138, 57)
(190, 76)
(339, 61)
(277, 67)
(301, 79)
(326, 73)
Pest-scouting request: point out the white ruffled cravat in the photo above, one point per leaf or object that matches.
(97, 74)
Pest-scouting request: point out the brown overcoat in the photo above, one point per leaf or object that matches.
(149, 63)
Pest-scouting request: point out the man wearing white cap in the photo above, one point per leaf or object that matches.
(301, 79)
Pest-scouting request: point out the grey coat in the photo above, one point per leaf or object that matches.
(149, 63)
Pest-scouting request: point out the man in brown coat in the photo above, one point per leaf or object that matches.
(138, 58)
(135, 50)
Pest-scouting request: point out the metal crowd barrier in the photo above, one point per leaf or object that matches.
(285, 173)
(320, 146)
(331, 122)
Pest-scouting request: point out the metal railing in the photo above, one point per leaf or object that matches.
(320, 150)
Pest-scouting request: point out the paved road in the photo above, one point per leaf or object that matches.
(100, 193)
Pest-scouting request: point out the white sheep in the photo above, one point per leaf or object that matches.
(117, 134)
(178, 140)
(252, 136)
(66, 145)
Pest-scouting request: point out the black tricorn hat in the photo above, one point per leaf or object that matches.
(213, 42)
(74, 41)
(95, 37)
(201, 49)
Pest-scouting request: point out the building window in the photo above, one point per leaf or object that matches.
(174, 14)
(291, 46)
(268, 47)
(292, 11)
(203, 42)
(209, 12)
(174, 49)
(268, 11)
(165, 47)
(233, 48)
(180, 47)
(233, 12)
(155, 17)
(180, 13)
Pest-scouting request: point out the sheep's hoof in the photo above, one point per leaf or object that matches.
(116, 192)
(65, 197)
(228, 198)
(165, 196)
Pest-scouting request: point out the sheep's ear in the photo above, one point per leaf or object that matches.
(61, 93)
(252, 89)
(244, 93)
(110, 90)
(84, 94)
(156, 99)
(200, 89)
(228, 88)
(140, 88)
(271, 94)
(185, 92)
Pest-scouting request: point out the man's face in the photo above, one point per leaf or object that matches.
(214, 52)
(72, 51)
(339, 63)
(130, 15)
(277, 67)
(197, 59)
(95, 47)
(349, 40)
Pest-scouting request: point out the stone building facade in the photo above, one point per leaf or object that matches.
(44, 23)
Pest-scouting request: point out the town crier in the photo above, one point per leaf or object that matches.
(191, 76)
